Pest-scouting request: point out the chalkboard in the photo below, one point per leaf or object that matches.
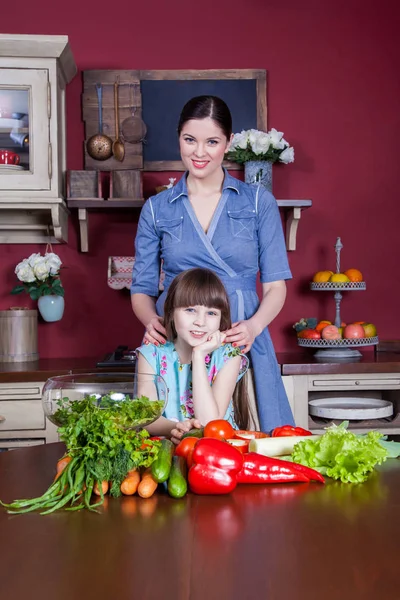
(164, 94)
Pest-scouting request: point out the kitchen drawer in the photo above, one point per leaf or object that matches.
(18, 390)
(354, 382)
(17, 443)
(21, 414)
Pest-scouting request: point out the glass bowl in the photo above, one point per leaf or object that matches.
(107, 391)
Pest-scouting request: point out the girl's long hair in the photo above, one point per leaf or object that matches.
(202, 287)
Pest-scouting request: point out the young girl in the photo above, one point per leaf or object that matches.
(201, 371)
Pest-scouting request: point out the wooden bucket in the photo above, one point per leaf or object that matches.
(18, 335)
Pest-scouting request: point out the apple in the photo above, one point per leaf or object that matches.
(353, 331)
(369, 329)
(331, 332)
(309, 334)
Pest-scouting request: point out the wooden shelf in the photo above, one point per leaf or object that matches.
(292, 209)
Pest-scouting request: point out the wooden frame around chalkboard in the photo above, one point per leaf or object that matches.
(258, 75)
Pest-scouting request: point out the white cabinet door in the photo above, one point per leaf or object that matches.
(24, 93)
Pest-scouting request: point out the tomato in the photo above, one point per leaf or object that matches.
(185, 447)
(219, 429)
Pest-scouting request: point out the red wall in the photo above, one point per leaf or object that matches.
(333, 88)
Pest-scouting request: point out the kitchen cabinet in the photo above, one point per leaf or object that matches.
(22, 420)
(34, 72)
(376, 375)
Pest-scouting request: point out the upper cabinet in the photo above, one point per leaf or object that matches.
(34, 72)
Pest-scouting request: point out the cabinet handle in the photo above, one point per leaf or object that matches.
(357, 383)
(2, 418)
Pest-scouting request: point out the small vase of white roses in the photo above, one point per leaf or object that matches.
(40, 279)
(258, 151)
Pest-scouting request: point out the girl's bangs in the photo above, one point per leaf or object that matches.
(207, 294)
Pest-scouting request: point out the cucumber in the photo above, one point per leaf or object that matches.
(177, 482)
(197, 433)
(161, 467)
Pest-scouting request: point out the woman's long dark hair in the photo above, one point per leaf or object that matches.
(202, 287)
(201, 107)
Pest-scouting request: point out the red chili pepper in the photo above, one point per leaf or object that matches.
(289, 430)
(312, 474)
(209, 451)
(263, 469)
(207, 479)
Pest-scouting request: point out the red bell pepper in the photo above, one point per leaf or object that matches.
(207, 479)
(215, 466)
(289, 430)
(209, 451)
(263, 469)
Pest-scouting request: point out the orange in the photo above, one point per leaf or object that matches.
(322, 324)
(354, 275)
(339, 278)
(322, 276)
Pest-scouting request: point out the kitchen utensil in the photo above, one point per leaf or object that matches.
(107, 391)
(133, 128)
(118, 147)
(350, 408)
(99, 146)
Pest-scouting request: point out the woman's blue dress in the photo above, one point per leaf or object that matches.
(245, 237)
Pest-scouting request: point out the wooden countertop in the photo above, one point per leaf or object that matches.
(276, 542)
(291, 363)
(304, 363)
(44, 368)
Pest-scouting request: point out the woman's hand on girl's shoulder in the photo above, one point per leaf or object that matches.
(155, 332)
(242, 333)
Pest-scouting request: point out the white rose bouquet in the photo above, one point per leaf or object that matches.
(39, 276)
(259, 145)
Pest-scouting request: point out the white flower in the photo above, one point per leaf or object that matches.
(24, 272)
(277, 139)
(53, 263)
(33, 259)
(171, 182)
(41, 269)
(261, 143)
(287, 156)
(239, 140)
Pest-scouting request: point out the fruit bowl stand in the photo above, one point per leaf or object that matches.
(344, 348)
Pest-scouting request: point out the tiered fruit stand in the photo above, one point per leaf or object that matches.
(344, 348)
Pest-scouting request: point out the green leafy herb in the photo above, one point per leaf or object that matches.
(104, 443)
(341, 454)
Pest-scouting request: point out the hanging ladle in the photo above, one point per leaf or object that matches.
(118, 147)
(99, 146)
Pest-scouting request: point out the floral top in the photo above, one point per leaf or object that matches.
(178, 377)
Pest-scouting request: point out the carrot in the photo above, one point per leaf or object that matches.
(130, 484)
(148, 485)
(62, 463)
(104, 487)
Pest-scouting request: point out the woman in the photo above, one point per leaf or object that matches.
(212, 220)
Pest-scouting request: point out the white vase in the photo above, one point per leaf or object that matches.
(258, 172)
(51, 308)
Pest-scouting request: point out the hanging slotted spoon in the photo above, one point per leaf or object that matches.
(118, 147)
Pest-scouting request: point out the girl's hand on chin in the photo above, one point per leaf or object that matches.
(213, 341)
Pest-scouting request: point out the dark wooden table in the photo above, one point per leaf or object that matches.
(277, 542)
